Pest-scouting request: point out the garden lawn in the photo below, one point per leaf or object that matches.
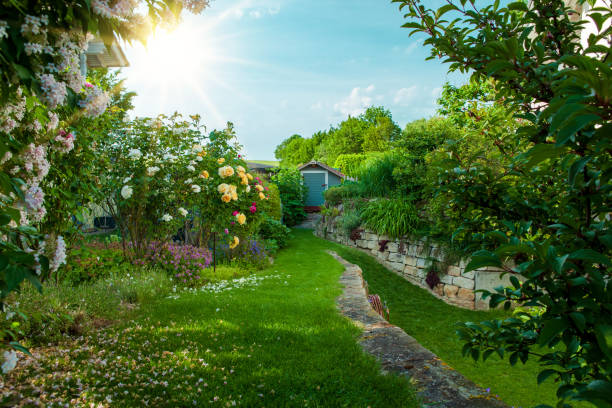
(433, 324)
(272, 339)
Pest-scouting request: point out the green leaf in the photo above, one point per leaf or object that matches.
(576, 168)
(579, 320)
(573, 126)
(603, 332)
(4, 219)
(481, 259)
(550, 330)
(590, 255)
(543, 375)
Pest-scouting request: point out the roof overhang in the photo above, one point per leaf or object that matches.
(99, 55)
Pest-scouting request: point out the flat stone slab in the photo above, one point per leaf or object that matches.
(437, 384)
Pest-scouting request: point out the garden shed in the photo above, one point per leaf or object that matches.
(318, 177)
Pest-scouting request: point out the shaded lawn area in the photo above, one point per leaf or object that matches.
(433, 323)
(279, 342)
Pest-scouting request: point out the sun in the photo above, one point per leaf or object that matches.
(179, 56)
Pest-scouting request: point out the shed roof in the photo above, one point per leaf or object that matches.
(324, 166)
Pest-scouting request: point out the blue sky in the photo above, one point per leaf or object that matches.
(279, 67)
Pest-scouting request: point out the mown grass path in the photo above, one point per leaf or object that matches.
(433, 324)
(278, 342)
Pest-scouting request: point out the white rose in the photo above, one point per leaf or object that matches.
(199, 158)
(188, 181)
(127, 179)
(197, 148)
(166, 218)
(183, 212)
(196, 188)
(152, 170)
(190, 168)
(126, 192)
(135, 154)
(248, 189)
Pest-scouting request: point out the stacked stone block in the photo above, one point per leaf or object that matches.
(410, 259)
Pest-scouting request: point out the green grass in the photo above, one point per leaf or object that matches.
(280, 342)
(268, 162)
(432, 323)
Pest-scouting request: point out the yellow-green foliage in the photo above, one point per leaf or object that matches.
(272, 206)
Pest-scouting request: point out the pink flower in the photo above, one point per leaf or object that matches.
(226, 231)
(253, 209)
(233, 223)
(88, 85)
(235, 213)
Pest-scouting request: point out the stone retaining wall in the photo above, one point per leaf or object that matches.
(411, 258)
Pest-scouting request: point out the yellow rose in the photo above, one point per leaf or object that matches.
(221, 160)
(259, 187)
(202, 153)
(226, 171)
(241, 218)
(262, 196)
(235, 243)
(234, 196)
(241, 169)
(204, 174)
(249, 176)
(226, 198)
(223, 188)
(244, 181)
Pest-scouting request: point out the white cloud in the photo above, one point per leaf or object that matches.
(255, 13)
(357, 102)
(317, 106)
(405, 95)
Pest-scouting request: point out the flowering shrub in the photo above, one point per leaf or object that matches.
(184, 262)
(252, 255)
(41, 83)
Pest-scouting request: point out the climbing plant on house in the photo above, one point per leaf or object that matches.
(555, 242)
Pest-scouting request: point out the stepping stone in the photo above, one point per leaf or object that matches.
(437, 384)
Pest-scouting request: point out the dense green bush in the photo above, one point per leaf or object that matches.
(350, 164)
(335, 195)
(376, 176)
(92, 261)
(349, 220)
(392, 217)
(272, 206)
(292, 193)
(272, 229)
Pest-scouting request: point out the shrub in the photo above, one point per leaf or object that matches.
(251, 255)
(350, 164)
(293, 195)
(272, 206)
(336, 195)
(184, 263)
(349, 221)
(93, 261)
(272, 229)
(392, 217)
(376, 177)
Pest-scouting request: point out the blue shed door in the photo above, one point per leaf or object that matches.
(316, 186)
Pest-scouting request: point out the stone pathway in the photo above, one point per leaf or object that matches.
(310, 222)
(437, 384)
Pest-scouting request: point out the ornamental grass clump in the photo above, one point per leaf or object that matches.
(185, 263)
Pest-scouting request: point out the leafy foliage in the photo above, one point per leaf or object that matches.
(293, 195)
(272, 229)
(553, 236)
(393, 217)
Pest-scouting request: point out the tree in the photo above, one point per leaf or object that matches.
(558, 250)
